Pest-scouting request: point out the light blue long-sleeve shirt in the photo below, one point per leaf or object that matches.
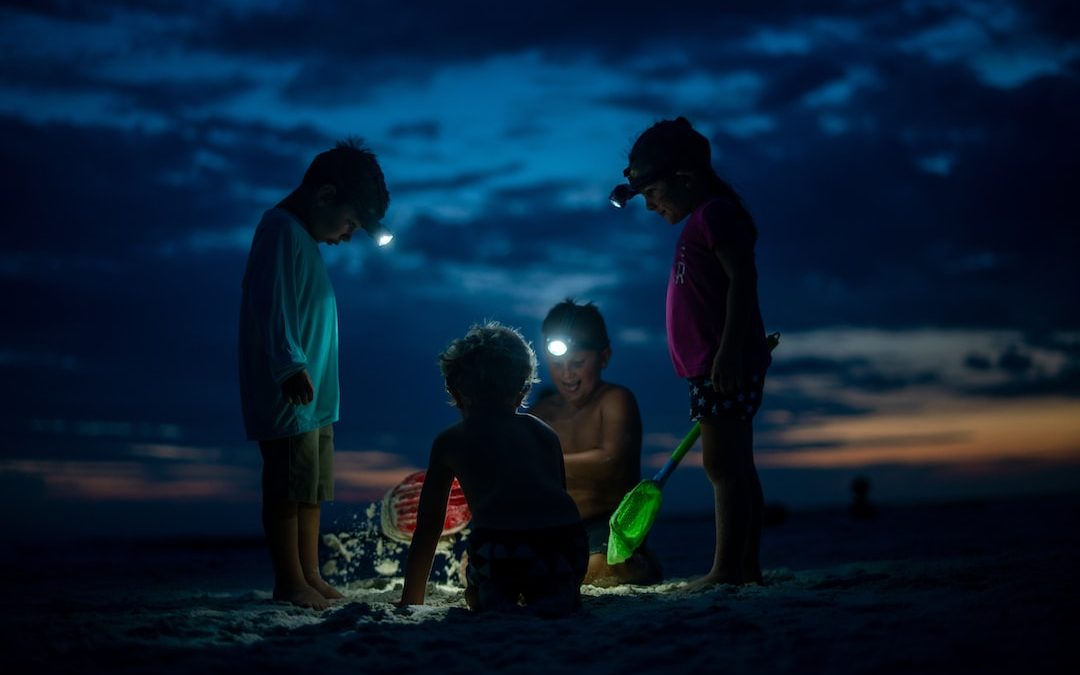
(288, 323)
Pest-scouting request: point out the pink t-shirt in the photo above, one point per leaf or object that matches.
(697, 291)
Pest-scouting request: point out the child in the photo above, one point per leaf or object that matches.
(289, 356)
(599, 427)
(716, 337)
(527, 542)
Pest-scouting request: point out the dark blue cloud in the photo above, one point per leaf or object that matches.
(853, 374)
(455, 181)
(427, 129)
(891, 188)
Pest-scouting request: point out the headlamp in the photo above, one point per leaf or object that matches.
(621, 194)
(638, 179)
(379, 233)
(561, 344)
(558, 346)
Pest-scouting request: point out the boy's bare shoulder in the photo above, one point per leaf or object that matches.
(533, 420)
(538, 426)
(449, 438)
(617, 397)
(545, 405)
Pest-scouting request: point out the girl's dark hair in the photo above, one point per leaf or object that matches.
(674, 145)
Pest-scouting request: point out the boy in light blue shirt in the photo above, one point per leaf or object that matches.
(289, 355)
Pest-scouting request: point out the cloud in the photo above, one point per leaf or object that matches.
(915, 213)
(997, 41)
(135, 481)
(362, 476)
(956, 432)
(850, 352)
(426, 129)
(456, 181)
(176, 452)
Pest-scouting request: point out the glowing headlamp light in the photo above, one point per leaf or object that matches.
(379, 233)
(561, 344)
(558, 346)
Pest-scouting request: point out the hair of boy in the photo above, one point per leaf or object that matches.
(492, 364)
(582, 323)
(674, 145)
(355, 173)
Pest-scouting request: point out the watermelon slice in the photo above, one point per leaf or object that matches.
(398, 512)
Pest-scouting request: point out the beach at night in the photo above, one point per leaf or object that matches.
(194, 303)
(974, 586)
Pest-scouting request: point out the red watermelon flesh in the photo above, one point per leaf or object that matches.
(400, 504)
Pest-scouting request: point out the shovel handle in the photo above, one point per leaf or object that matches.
(680, 452)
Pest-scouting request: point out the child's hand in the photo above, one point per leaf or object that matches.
(726, 373)
(298, 389)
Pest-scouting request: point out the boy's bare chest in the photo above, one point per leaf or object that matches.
(578, 429)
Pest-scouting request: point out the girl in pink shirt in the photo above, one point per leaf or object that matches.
(716, 336)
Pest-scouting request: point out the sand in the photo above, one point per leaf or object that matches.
(968, 587)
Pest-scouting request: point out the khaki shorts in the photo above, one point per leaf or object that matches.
(299, 468)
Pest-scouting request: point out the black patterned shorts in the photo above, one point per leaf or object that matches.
(707, 402)
(542, 568)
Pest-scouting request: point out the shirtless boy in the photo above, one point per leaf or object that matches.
(599, 427)
(527, 545)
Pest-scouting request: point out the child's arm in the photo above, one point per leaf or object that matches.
(738, 264)
(430, 516)
(272, 283)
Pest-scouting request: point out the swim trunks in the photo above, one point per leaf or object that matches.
(541, 568)
(599, 531)
(707, 402)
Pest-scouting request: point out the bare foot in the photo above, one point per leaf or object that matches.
(709, 582)
(640, 569)
(325, 589)
(301, 596)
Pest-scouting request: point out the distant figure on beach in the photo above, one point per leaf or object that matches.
(861, 508)
(527, 544)
(599, 427)
(289, 356)
(716, 337)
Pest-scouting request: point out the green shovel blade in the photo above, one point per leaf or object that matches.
(631, 522)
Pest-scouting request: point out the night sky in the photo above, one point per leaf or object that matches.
(913, 168)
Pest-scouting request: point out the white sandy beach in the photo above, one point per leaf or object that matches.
(972, 587)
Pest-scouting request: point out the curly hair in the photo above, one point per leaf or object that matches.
(492, 364)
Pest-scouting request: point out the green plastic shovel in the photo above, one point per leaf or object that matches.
(631, 522)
